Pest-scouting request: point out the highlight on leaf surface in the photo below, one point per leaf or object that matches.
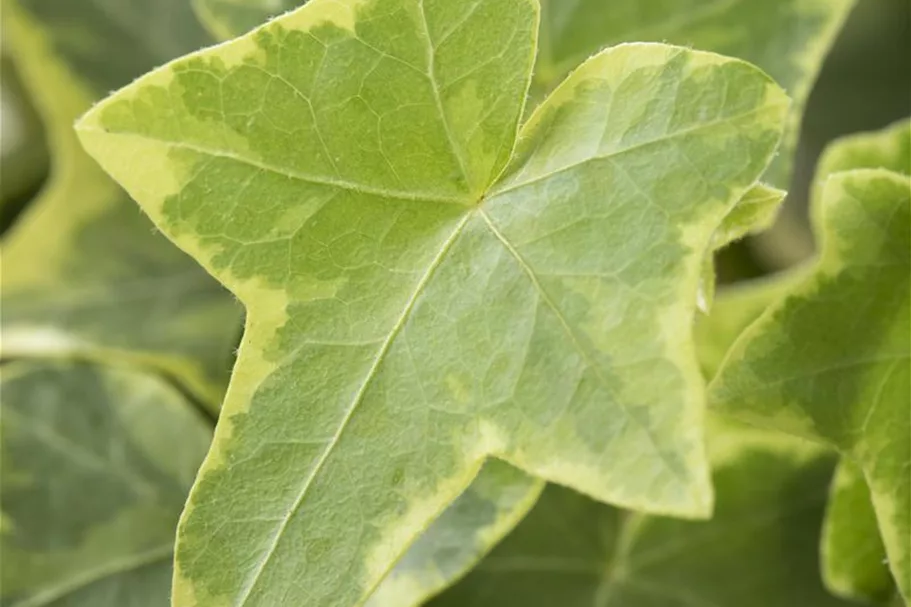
(831, 360)
(84, 273)
(426, 289)
(96, 465)
(759, 548)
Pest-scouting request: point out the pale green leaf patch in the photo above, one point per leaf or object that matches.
(831, 360)
(84, 273)
(424, 287)
(96, 465)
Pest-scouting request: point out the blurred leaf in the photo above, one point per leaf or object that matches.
(83, 271)
(23, 151)
(786, 38)
(889, 148)
(853, 555)
(532, 316)
(96, 465)
(227, 19)
(830, 360)
(759, 549)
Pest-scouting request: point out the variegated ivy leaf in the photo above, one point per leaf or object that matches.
(831, 360)
(83, 272)
(23, 151)
(786, 38)
(423, 293)
(889, 148)
(854, 561)
(96, 465)
(759, 550)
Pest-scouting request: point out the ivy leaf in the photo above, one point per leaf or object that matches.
(853, 556)
(889, 148)
(759, 549)
(96, 465)
(787, 38)
(414, 284)
(854, 562)
(491, 507)
(83, 272)
(830, 361)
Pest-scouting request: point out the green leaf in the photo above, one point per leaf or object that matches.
(96, 465)
(83, 272)
(853, 556)
(420, 295)
(787, 38)
(854, 562)
(830, 361)
(889, 148)
(759, 549)
(491, 507)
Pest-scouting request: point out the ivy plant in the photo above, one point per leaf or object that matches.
(473, 248)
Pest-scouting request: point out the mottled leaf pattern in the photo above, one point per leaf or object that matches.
(96, 465)
(409, 312)
(758, 550)
(83, 271)
(831, 360)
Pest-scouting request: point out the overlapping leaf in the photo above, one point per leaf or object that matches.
(409, 311)
(96, 465)
(83, 272)
(831, 360)
(759, 549)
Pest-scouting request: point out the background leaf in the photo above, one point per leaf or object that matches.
(830, 361)
(759, 549)
(83, 272)
(96, 465)
(854, 562)
(453, 359)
